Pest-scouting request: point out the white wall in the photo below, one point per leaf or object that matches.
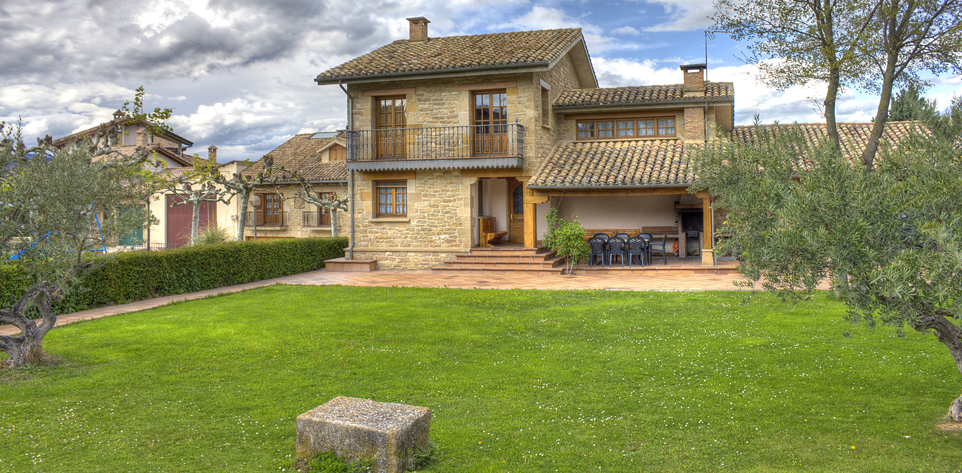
(620, 212)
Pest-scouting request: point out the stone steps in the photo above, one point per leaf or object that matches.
(504, 260)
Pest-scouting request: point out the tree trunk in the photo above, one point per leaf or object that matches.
(245, 197)
(831, 97)
(28, 346)
(334, 222)
(951, 336)
(195, 223)
(882, 114)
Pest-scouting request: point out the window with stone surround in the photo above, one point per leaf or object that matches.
(620, 128)
(392, 198)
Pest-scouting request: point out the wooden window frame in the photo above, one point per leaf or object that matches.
(394, 203)
(324, 213)
(611, 128)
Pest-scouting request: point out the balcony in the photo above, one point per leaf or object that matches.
(267, 219)
(449, 147)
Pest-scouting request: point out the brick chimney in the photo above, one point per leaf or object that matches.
(119, 114)
(419, 28)
(212, 153)
(694, 78)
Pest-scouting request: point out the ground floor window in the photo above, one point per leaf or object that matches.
(392, 199)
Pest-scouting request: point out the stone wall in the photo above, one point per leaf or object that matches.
(437, 225)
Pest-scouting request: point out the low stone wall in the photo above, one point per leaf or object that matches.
(408, 259)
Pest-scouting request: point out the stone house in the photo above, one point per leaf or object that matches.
(320, 159)
(454, 143)
(173, 227)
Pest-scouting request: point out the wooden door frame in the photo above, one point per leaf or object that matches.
(515, 235)
(399, 141)
(474, 121)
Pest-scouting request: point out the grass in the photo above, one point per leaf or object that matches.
(519, 381)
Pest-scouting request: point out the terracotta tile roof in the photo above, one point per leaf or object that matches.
(645, 94)
(613, 164)
(853, 136)
(302, 154)
(616, 164)
(453, 53)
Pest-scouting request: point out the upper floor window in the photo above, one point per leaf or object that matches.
(626, 128)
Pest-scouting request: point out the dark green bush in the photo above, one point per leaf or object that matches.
(127, 277)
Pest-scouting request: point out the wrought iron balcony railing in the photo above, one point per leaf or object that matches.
(449, 142)
(315, 218)
(266, 219)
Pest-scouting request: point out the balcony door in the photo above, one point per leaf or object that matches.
(490, 124)
(390, 123)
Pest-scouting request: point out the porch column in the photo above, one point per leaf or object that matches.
(708, 243)
(530, 214)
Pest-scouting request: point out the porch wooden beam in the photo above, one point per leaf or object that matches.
(606, 192)
(530, 217)
(707, 253)
(382, 92)
(491, 172)
(703, 194)
(535, 199)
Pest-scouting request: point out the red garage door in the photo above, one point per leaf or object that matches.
(179, 217)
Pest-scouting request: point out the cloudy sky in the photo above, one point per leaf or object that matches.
(238, 74)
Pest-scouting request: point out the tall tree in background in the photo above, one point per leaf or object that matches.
(909, 37)
(909, 105)
(796, 42)
(867, 44)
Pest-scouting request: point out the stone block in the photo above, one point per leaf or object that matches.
(358, 429)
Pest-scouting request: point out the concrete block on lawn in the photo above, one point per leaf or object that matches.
(358, 429)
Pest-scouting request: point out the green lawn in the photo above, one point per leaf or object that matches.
(520, 381)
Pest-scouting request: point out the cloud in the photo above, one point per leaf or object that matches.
(626, 31)
(685, 15)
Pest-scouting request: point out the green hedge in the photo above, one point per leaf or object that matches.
(126, 277)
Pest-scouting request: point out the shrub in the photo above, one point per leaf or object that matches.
(566, 238)
(127, 277)
(212, 234)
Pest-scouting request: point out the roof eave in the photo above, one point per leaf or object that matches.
(455, 72)
(624, 186)
(596, 107)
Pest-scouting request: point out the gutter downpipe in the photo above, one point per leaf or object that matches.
(350, 144)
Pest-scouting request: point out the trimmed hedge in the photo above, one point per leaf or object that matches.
(126, 277)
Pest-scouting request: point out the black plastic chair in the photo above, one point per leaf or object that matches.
(623, 236)
(598, 248)
(637, 246)
(617, 247)
(603, 236)
(659, 246)
(648, 239)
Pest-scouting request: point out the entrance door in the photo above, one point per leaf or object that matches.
(515, 211)
(391, 142)
(490, 120)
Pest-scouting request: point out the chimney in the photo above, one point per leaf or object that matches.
(119, 114)
(694, 78)
(419, 28)
(212, 153)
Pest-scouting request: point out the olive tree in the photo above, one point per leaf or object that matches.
(888, 239)
(49, 200)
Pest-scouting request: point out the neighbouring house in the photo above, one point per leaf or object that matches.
(320, 159)
(174, 222)
(454, 135)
